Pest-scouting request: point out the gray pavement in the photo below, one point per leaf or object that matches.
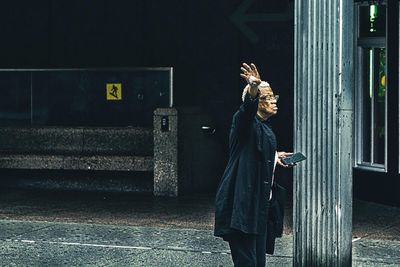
(61, 228)
(33, 243)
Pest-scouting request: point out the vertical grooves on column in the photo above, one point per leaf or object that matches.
(335, 130)
(297, 26)
(320, 182)
(330, 116)
(295, 121)
(324, 160)
(314, 132)
(320, 149)
(308, 173)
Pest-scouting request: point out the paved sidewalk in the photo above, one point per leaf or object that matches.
(370, 220)
(57, 228)
(30, 243)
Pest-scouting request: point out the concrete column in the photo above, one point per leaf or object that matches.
(166, 152)
(323, 128)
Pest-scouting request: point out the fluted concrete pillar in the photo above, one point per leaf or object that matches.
(323, 128)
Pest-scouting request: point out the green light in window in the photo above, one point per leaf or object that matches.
(373, 14)
(382, 75)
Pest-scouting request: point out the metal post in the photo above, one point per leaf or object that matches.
(323, 126)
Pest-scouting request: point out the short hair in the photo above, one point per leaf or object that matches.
(263, 84)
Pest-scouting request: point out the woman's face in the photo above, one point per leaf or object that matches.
(267, 104)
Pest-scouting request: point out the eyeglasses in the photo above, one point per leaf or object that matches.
(269, 98)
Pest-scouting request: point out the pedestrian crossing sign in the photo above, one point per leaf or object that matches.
(114, 91)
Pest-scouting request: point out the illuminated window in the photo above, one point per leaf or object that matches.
(371, 101)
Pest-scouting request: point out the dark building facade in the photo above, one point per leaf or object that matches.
(204, 41)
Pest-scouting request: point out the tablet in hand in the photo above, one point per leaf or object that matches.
(292, 159)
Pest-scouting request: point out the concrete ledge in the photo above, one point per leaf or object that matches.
(61, 162)
(77, 140)
(166, 112)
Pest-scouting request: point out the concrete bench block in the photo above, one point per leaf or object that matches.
(77, 141)
(31, 140)
(60, 162)
(119, 141)
(165, 152)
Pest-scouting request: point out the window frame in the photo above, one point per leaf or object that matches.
(360, 44)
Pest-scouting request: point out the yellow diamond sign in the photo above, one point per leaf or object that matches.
(114, 91)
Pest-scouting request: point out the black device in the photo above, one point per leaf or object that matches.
(164, 124)
(293, 159)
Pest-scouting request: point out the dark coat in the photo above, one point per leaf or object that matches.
(275, 217)
(242, 200)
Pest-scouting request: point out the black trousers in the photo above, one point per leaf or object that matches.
(248, 250)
